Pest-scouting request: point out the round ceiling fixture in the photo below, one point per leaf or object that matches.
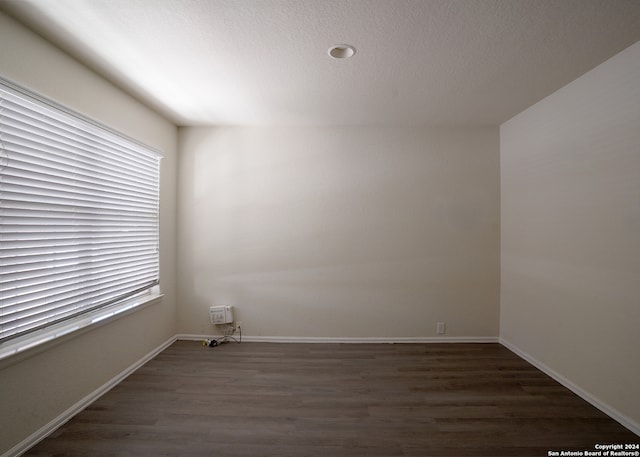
(342, 51)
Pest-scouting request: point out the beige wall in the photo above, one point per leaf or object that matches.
(570, 247)
(36, 389)
(357, 232)
(374, 232)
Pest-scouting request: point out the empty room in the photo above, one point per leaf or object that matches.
(319, 228)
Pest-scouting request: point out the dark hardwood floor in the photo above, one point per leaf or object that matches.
(258, 399)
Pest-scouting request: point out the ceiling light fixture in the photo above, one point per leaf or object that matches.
(342, 51)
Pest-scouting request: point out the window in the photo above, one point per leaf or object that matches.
(78, 220)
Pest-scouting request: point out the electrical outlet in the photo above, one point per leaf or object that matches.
(238, 325)
(441, 328)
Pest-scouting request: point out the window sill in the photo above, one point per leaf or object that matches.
(40, 340)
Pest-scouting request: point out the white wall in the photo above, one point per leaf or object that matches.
(570, 223)
(37, 388)
(340, 231)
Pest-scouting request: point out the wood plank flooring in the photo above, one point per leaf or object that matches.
(296, 400)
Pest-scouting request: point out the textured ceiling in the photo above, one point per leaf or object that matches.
(437, 62)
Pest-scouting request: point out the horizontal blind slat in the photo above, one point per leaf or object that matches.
(34, 320)
(21, 170)
(22, 159)
(78, 215)
(80, 297)
(20, 291)
(60, 124)
(35, 255)
(35, 138)
(22, 279)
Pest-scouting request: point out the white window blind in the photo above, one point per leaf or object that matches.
(78, 215)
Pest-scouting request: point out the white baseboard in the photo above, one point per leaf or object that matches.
(352, 340)
(64, 417)
(608, 410)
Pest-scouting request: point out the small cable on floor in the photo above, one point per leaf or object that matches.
(227, 335)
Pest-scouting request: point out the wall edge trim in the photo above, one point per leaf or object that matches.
(616, 415)
(47, 429)
(348, 340)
